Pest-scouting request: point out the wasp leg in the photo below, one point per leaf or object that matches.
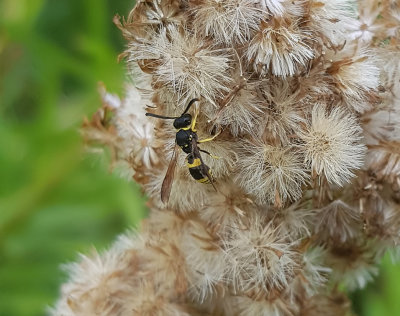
(208, 139)
(211, 155)
(196, 113)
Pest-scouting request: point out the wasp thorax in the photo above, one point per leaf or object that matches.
(183, 121)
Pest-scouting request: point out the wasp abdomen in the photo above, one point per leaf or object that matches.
(197, 168)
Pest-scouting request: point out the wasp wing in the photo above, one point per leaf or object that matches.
(169, 176)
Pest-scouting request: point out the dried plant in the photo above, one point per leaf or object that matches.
(302, 100)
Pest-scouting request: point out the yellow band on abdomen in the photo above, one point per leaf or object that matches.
(195, 163)
(204, 180)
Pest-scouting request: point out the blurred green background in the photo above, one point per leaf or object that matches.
(56, 200)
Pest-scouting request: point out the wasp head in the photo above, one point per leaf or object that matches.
(183, 121)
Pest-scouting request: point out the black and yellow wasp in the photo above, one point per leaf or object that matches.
(187, 139)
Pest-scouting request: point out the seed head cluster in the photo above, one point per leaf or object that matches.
(302, 100)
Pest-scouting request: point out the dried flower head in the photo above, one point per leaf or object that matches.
(227, 21)
(295, 221)
(335, 19)
(338, 222)
(332, 144)
(188, 65)
(257, 257)
(283, 115)
(288, 91)
(280, 47)
(272, 174)
(276, 7)
(355, 77)
(242, 112)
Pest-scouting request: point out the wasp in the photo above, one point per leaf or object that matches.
(186, 138)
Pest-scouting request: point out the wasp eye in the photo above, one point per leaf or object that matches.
(187, 120)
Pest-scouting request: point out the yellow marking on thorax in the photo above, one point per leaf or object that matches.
(204, 180)
(195, 163)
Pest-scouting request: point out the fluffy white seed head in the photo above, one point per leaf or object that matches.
(356, 77)
(204, 259)
(242, 113)
(96, 285)
(295, 221)
(283, 113)
(372, 17)
(272, 174)
(279, 47)
(227, 21)
(153, 14)
(189, 66)
(137, 133)
(335, 19)
(385, 159)
(257, 257)
(275, 7)
(315, 270)
(333, 144)
(338, 222)
(144, 144)
(389, 63)
(225, 208)
(382, 124)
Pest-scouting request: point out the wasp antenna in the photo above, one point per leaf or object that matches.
(161, 116)
(189, 105)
